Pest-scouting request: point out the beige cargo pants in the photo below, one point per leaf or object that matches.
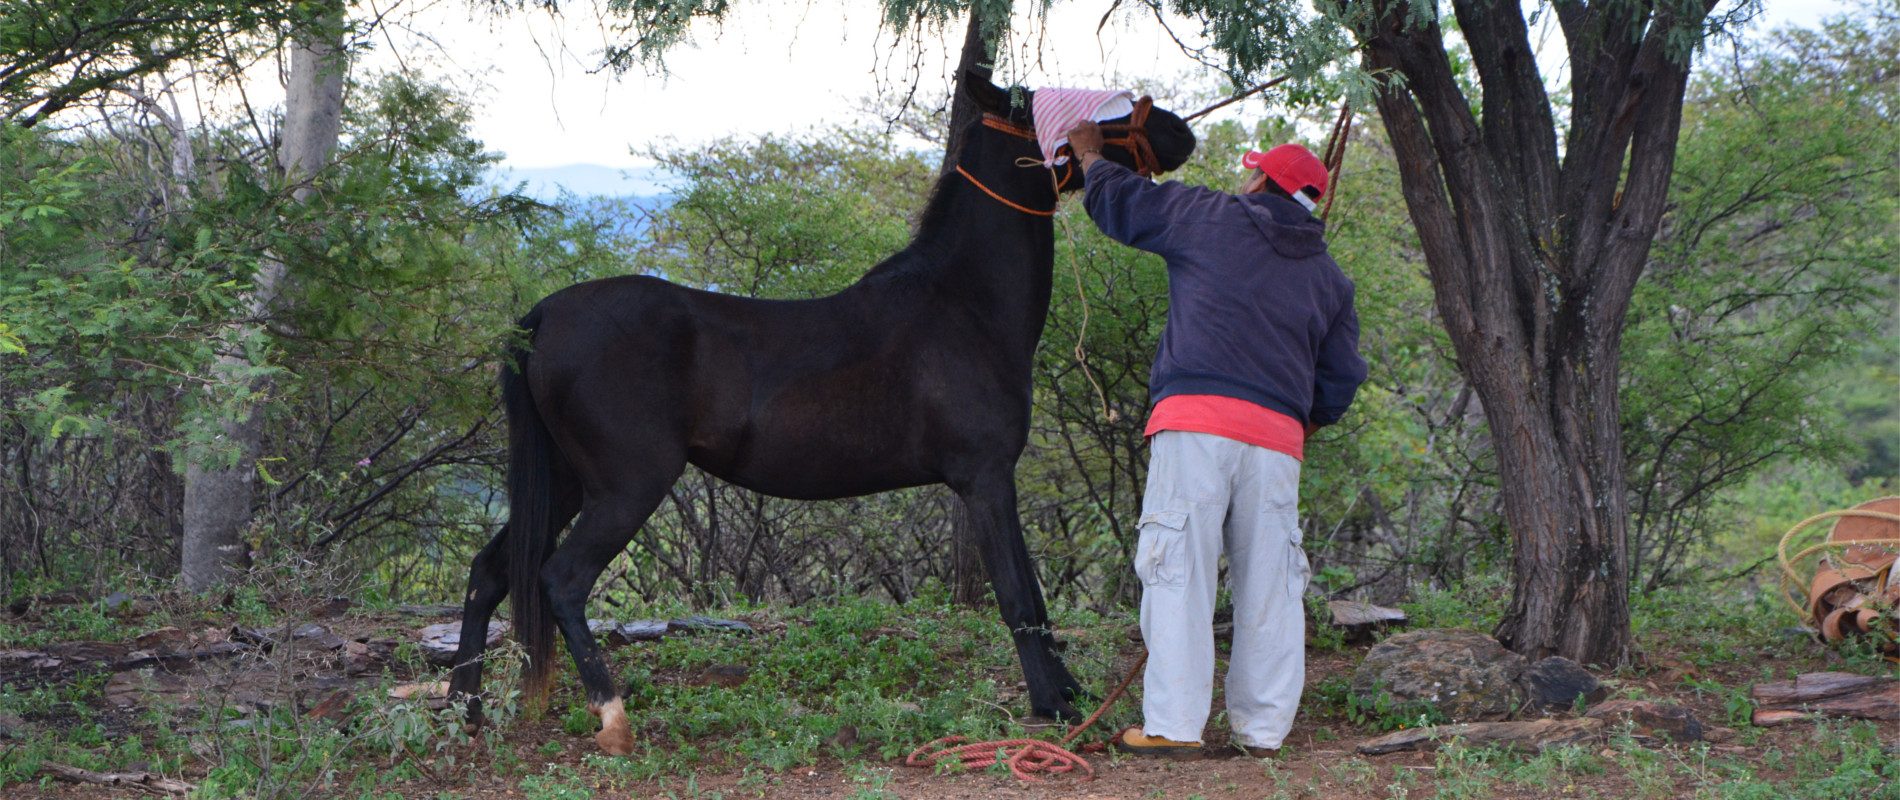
(1207, 493)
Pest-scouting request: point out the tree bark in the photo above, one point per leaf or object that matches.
(969, 579)
(1533, 259)
(219, 499)
(974, 58)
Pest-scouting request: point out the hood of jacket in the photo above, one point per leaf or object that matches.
(1292, 230)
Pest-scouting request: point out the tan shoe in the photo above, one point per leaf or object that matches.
(1134, 742)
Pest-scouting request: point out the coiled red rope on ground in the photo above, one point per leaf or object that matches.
(1031, 755)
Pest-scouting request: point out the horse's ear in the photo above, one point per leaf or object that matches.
(988, 96)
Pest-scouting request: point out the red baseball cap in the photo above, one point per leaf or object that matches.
(1290, 166)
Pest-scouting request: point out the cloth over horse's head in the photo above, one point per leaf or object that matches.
(1148, 140)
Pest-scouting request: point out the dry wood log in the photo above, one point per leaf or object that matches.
(1832, 694)
(1814, 686)
(1534, 735)
(146, 780)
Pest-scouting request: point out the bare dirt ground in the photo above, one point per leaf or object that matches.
(1318, 762)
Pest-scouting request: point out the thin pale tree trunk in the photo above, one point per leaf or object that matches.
(219, 499)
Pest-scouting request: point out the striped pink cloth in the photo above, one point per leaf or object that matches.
(1057, 110)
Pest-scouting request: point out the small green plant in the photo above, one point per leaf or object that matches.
(578, 722)
(1385, 713)
(873, 783)
(557, 783)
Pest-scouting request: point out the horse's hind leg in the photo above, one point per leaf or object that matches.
(991, 502)
(606, 525)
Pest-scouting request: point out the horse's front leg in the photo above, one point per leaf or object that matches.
(991, 503)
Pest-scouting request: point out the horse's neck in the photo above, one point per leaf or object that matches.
(981, 251)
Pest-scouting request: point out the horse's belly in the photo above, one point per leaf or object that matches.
(834, 438)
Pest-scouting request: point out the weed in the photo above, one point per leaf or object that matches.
(1384, 713)
(872, 782)
(557, 783)
(577, 722)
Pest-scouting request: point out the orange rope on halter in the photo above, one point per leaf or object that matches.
(1032, 755)
(1001, 199)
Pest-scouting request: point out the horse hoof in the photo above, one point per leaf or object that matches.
(615, 741)
(616, 736)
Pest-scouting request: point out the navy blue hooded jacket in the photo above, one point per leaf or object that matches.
(1257, 309)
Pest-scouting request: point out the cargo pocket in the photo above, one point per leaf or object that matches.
(1161, 555)
(1299, 571)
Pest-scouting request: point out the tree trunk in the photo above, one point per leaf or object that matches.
(219, 498)
(963, 109)
(970, 580)
(1533, 260)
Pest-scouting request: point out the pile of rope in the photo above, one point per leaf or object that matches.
(1029, 755)
(1854, 589)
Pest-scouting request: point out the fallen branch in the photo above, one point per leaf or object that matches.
(145, 780)
(1830, 694)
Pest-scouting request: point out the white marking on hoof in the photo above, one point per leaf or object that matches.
(616, 736)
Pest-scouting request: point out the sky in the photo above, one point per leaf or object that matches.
(774, 67)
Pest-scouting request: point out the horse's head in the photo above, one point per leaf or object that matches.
(1151, 140)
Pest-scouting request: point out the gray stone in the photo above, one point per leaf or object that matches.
(1556, 683)
(1464, 674)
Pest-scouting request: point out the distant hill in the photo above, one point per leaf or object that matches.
(586, 180)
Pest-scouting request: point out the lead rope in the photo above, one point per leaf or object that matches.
(1031, 755)
(1081, 351)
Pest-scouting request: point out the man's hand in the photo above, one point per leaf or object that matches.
(1086, 140)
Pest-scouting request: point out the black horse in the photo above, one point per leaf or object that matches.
(919, 373)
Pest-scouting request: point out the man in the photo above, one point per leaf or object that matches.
(1261, 349)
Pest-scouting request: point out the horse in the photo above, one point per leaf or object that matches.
(918, 373)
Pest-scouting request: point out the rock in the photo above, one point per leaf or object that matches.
(1717, 734)
(845, 739)
(163, 640)
(1361, 621)
(10, 726)
(895, 633)
(1533, 736)
(27, 659)
(359, 659)
(89, 651)
(316, 637)
(1464, 674)
(440, 641)
(1556, 683)
(702, 624)
(727, 675)
(1659, 720)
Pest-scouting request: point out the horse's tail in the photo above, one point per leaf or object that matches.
(531, 522)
